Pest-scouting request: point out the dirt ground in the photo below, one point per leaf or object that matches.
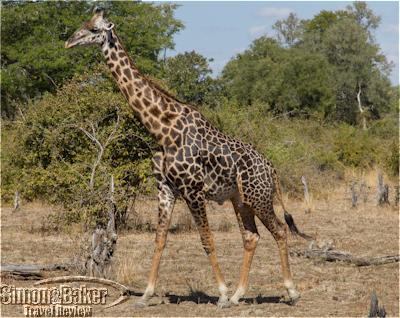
(186, 286)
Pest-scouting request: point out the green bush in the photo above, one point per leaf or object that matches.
(320, 151)
(48, 155)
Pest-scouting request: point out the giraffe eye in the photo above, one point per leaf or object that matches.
(94, 30)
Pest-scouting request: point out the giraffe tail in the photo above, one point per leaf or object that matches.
(288, 217)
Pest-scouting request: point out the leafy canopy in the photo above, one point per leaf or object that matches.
(317, 66)
(34, 60)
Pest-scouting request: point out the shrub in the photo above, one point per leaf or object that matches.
(320, 151)
(49, 156)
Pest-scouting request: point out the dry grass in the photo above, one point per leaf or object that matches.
(125, 271)
(186, 286)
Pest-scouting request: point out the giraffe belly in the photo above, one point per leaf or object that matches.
(219, 192)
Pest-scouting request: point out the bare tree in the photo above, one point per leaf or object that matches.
(100, 145)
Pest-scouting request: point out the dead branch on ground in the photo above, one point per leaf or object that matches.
(30, 271)
(330, 255)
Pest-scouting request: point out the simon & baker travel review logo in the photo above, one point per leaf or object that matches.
(61, 301)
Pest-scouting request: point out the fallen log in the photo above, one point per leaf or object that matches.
(340, 256)
(29, 271)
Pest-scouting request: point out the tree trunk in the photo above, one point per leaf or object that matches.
(361, 109)
(306, 194)
(354, 196)
(17, 201)
(383, 191)
(103, 242)
(374, 309)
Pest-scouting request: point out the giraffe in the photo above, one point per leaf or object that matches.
(197, 162)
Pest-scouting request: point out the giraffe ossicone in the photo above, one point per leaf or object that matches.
(197, 162)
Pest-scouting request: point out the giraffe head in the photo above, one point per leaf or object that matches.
(93, 31)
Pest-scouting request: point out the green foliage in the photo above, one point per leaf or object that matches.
(293, 99)
(318, 67)
(322, 22)
(242, 75)
(288, 30)
(33, 57)
(188, 75)
(353, 147)
(294, 81)
(49, 156)
(310, 147)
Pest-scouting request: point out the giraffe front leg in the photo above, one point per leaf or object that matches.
(250, 237)
(196, 203)
(166, 201)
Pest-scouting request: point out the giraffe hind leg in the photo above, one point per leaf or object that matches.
(248, 229)
(278, 230)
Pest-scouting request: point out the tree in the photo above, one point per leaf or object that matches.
(329, 65)
(364, 16)
(70, 143)
(358, 62)
(241, 75)
(284, 80)
(288, 30)
(33, 57)
(188, 74)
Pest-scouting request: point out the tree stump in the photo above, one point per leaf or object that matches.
(383, 191)
(17, 201)
(374, 309)
(103, 243)
(354, 195)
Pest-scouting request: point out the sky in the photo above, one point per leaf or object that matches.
(220, 30)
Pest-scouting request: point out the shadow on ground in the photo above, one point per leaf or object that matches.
(199, 297)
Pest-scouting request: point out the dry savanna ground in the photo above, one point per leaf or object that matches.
(186, 286)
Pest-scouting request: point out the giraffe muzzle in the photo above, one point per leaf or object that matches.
(67, 45)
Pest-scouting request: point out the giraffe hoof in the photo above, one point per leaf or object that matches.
(293, 299)
(140, 304)
(223, 303)
(234, 302)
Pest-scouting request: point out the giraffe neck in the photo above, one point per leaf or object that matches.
(157, 111)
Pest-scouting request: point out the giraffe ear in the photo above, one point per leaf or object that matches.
(109, 26)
